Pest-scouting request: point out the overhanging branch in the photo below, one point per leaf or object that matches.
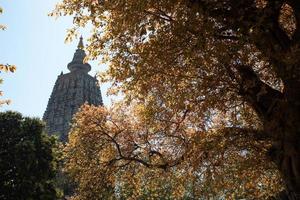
(262, 97)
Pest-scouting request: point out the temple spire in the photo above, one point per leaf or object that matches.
(80, 44)
(78, 64)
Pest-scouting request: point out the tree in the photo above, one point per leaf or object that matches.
(237, 60)
(117, 153)
(27, 159)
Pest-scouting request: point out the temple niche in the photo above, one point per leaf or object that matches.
(71, 91)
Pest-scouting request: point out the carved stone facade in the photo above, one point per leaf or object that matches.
(71, 91)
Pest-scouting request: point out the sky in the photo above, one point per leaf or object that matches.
(34, 42)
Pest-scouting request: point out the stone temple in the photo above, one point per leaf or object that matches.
(70, 91)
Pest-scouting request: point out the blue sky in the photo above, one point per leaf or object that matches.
(34, 42)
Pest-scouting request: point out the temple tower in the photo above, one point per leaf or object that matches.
(70, 91)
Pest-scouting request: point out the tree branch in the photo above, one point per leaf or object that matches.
(296, 8)
(258, 94)
(257, 135)
(260, 26)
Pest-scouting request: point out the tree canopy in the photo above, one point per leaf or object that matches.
(27, 159)
(120, 153)
(217, 65)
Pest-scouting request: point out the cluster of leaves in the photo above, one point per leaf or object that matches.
(118, 153)
(2, 27)
(27, 159)
(5, 67)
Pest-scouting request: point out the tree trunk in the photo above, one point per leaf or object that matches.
(285, 125)
(290, 169)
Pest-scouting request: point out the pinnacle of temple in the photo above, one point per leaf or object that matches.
(70, 92)
(78, 59)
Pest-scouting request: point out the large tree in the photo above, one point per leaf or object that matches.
(203, 58)
(27, 159)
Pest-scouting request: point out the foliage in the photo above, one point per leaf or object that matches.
(5, 68)
(221, 65)
(27, 160)
(63, 184)
(2, 27)
(118, 153)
